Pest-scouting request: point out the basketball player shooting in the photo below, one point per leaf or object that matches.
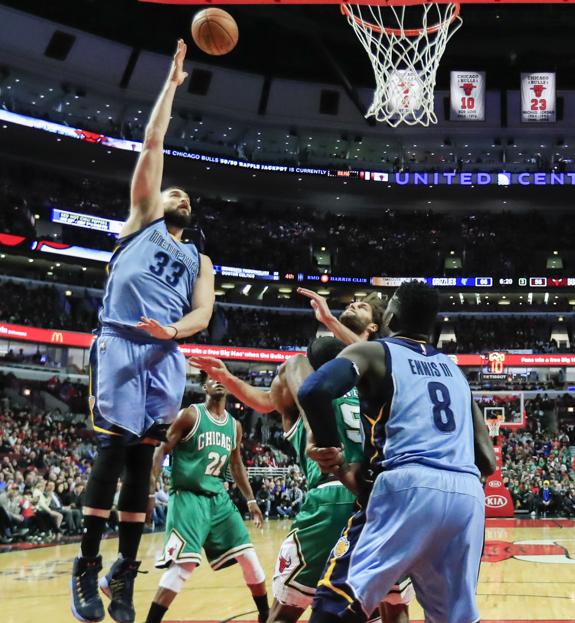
(158, 290)
(426, 443)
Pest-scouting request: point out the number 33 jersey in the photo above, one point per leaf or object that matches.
(150, 274)
(426, 415)
(200, 460)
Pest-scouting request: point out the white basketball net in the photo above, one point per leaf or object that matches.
(404, 55)
(493, 425)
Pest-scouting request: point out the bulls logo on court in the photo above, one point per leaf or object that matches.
(538, 89)
(528, 551)
(467, 88)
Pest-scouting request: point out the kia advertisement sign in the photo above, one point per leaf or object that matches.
(498, 502)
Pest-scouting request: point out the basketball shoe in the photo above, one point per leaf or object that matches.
(86, 603)
(118, 585)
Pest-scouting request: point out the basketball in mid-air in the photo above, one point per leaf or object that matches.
(215, 31)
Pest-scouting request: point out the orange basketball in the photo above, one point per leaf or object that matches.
(215, 31)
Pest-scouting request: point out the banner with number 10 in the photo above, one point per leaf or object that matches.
(467, 96)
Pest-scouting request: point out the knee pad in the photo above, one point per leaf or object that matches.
(174, 578)
(251, 568)
(136, 484)
(103, 479)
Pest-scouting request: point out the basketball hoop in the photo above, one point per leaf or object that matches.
(494, 424)
(405, 40)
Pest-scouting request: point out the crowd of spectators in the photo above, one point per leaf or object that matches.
(204, 139)
(46, 307)
(274, 238)
(44, 464)
(265, 327)
(262, 328)
(539, 471)
(483, 334)
(46, 457)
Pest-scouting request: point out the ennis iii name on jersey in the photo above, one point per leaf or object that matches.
(201, 458)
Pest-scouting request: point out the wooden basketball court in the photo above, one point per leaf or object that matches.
(528, 574)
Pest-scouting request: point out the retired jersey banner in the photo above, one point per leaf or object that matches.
(467, 96)
(538, 97)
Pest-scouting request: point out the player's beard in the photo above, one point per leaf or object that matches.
(353, 322)
(178, 218)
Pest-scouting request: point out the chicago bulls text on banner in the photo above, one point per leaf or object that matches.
(538, 97)
(467, 96)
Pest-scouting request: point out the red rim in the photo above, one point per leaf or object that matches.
(409, 32)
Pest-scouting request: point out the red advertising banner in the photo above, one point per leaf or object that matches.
(467, 360)
(84, 340)
(498, 502)
(239, 354)
(497, 361)
(45, 336)
(545, 360)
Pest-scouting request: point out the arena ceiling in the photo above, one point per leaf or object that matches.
(315, 43)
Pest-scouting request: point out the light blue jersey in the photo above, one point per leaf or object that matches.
(150, 274)
(427, 418)
(426, 510)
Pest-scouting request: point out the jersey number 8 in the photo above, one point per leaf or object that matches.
(443, 417)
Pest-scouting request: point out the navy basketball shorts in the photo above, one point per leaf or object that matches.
(135, 386)
(422, 523)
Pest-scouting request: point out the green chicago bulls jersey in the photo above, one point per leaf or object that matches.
(200, 460)
(346, 411)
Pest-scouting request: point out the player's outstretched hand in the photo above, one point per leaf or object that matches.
(214, 367)
(328, 459)
(155, 329)
(318, 304)
(177, 73)
(256, 514)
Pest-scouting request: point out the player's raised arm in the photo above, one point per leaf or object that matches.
(146, 205)
(484, 453)
(332, 380)
(324, 315)
(240, 476)
(216, 369)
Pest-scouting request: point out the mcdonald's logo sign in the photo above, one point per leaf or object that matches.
(57, 337)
